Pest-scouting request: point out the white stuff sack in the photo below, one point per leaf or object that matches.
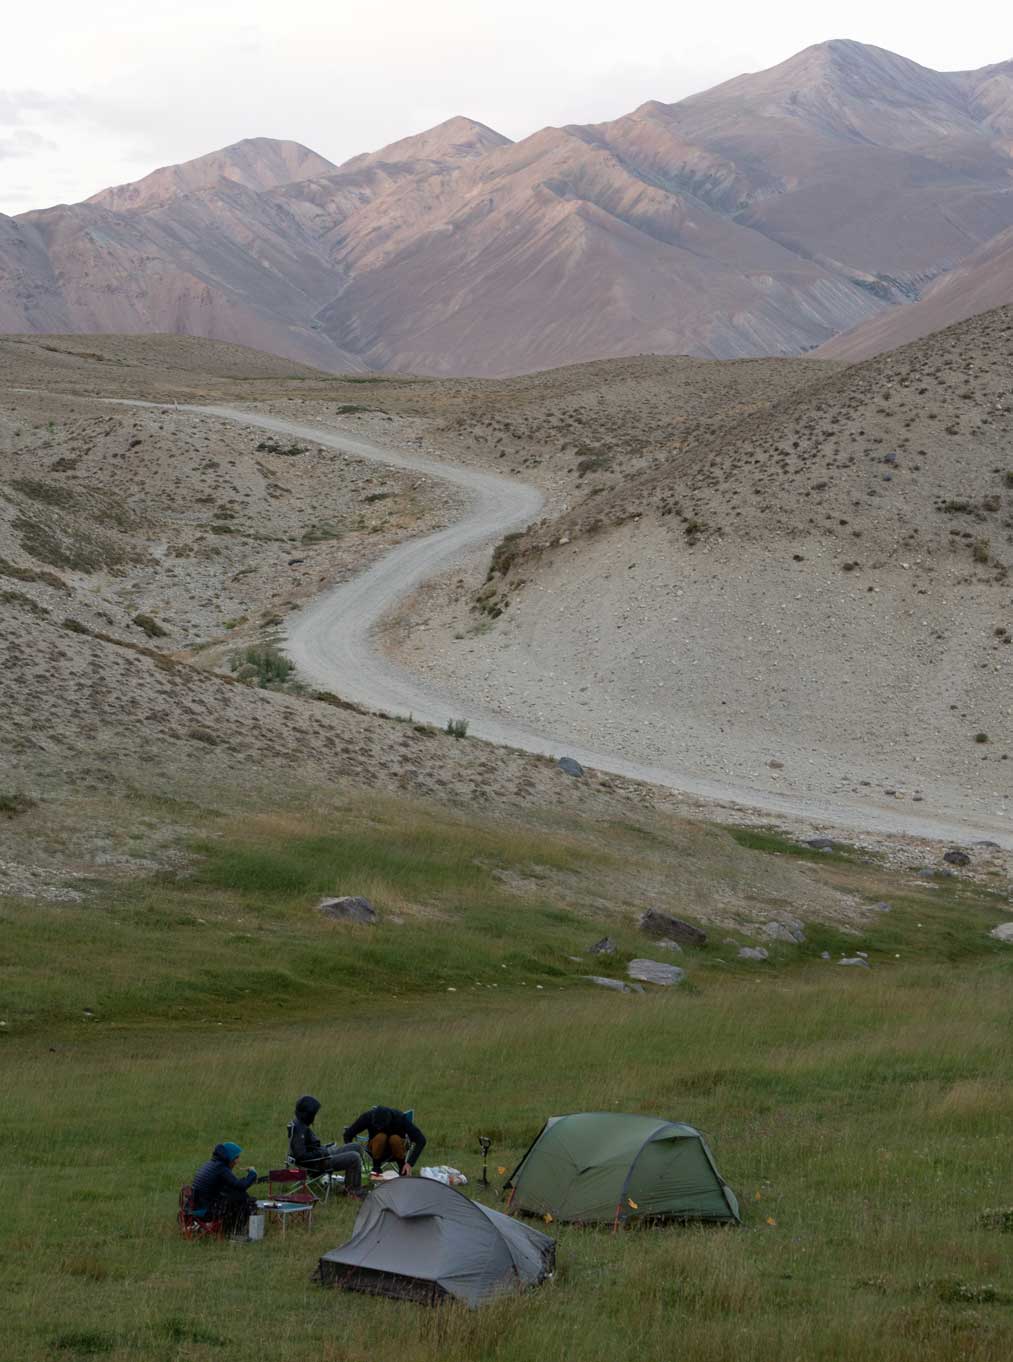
(453, 1177)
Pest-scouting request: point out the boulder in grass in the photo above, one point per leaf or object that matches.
(820, 843)
(570, 766)
(655, 972)
(855, 960)
(1004, 932)
(349, 909)
(661, 925)
(617, 985)
(789, 930)
(956, 857)
(606, 946)
(753, 953)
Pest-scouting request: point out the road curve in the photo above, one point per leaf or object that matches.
(330, 641)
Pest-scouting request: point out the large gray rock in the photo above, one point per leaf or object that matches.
(1004, 932)
(753, 953)
(617, 985)
(350, 909)
(655, 972)
(658, 924)
(854, 960)
(570, 766)
(789, 930)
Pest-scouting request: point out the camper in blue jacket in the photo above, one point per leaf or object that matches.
(219, 1194)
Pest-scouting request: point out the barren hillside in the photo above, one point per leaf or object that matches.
(146, 554)
(815, 597)
(762, 217)
(981, 282)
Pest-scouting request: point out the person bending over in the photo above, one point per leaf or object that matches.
(391, 1137)
(218, 1194)
(305, 1147)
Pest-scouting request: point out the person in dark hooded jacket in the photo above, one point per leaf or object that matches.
(390, 1136)
(218, 1194)
(306, 1148)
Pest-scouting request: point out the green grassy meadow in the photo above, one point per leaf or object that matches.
(864, 1118)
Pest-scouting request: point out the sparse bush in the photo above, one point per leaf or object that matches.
(263, 665)
(504, 554)
(150, 626)
(273, 447)
(24, 574)
(13, 804)
(26, 602)
(981, 737)
(320, 534)
(982, 550)
(457, 728)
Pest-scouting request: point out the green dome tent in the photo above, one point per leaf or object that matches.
(604, 1166)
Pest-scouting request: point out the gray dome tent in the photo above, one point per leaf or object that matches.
(599, 1166)
(421, 1240)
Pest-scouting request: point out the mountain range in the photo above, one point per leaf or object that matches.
(847, 199)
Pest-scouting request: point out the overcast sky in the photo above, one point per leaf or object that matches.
(95, 94)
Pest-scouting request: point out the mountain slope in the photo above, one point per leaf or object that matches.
(814, 597)
(257, 163)
(984, 280)
(764, 216)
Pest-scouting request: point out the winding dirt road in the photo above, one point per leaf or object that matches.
(331, 642)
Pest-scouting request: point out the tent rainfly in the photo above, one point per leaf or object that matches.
(416, 1239)
(597, 1166)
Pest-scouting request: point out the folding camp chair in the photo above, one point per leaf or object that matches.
(192, 1226)
(295, 1184)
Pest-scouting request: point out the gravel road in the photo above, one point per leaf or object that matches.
(331, 643)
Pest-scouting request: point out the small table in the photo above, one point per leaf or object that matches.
(281, 1211)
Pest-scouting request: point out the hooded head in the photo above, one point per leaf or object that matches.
(306, 1108)
(228, 1151)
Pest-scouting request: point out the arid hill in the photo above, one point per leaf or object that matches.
(763, 217)
(983, 281)
(815, 596)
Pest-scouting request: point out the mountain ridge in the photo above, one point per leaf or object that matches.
(767, 215)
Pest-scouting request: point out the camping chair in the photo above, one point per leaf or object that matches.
(190, 1225)
(295, 1184)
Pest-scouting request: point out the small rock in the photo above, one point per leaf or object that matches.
(820, 843)
(882, 908)
(571, 767)
(606, 946)
(658, 924)
(349, 909)
(753, 953)
(790, 930)
(667, 945)
(956, 857)
(617, 985)
(776, 765)
(854, 960)
(926, 873)
(1004, 932)
(654, 972)
(824, 955)
(992, 846)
